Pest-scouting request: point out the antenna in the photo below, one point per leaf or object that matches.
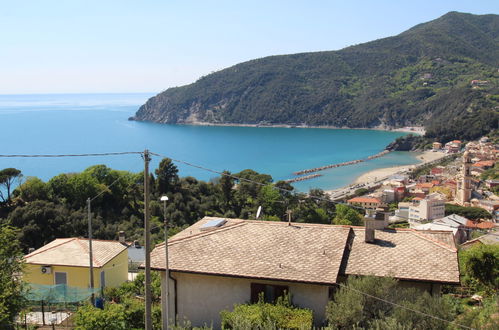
(258, 212)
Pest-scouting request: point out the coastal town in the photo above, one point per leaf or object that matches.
(414, 221)
(249, 165)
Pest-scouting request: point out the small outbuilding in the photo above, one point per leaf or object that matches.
(66, 261)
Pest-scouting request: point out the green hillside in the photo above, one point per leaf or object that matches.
(419, 77)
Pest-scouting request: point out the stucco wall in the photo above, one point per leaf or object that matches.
(116, 272)
(200, 298)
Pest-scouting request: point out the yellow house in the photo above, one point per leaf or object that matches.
(66, 261)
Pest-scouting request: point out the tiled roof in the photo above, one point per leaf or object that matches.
(404, 254)
(480, 225)
(309, 252)
(259, 249)
(74, 252)
(364, 200)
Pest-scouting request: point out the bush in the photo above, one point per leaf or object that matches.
(480, 266)
(261, 315)
(354, 306)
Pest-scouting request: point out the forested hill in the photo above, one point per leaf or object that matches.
(420, 77)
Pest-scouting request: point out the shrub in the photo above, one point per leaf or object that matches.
(261, 315)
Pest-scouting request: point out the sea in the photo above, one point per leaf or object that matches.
(98, 123)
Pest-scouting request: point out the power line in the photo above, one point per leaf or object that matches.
(72, 155)
(405, 307)
(275, 187)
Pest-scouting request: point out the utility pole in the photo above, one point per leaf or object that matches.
(147, 243)
(166, 298)
(90, 254)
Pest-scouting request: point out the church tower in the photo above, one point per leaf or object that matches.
(465, 193)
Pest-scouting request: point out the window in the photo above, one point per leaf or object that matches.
(102, 279)
(270, 292)
(60, 278)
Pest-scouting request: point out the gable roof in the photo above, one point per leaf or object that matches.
(490, 238)
(259, 249)
(74, 252)
(404, 254)
(310, 253)
(452, 220)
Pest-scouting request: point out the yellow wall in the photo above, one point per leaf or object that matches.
(116, 272)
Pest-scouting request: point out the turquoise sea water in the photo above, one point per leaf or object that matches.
(95, 123)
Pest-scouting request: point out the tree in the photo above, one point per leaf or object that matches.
(370, 302)
(8, 177)
(32, 189)
(167, 176)
(472, 213)
(226, 184)
(346, 215)
(480, 266)
(11, 286)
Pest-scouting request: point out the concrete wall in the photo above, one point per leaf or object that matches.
(200, 298)
(116, 272)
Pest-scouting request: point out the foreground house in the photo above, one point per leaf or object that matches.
(66, 261)
(217, 263)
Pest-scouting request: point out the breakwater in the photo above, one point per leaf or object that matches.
(303, 178)
(351, 162)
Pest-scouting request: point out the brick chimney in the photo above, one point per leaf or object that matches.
(121, 237)
(374, 220)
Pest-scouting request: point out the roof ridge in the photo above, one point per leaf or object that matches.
(249, 221)
(86, 249)
(285, 223)
(202, 234)
(34, 253)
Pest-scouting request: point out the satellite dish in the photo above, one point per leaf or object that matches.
(259, 211)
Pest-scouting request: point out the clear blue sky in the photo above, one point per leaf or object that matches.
(71, 46)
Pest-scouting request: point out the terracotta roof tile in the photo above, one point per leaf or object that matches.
(364, 200)
(404, 254)
(260, 249)
(74, 252)
(309, 252)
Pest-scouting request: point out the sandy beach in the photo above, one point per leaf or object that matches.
(382, 173)
(426, 157)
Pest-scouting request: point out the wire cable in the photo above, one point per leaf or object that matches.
(406, 308)
(73, 155)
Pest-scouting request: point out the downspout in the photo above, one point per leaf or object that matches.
(175, 298)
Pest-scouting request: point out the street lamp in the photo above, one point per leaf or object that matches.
(164, 199)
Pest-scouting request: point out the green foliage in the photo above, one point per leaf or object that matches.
(480, 266)
(491, 173)
(472, 213)
(261, 315)
(8, 177)
(353, 309)
(421, 76)
(167, 176)
(361, 191)
(346, 215)
(45, 211)
(482, 318)
(11, 286)
(112, 317)
(32, 189)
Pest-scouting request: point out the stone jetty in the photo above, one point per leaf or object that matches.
(351, 162)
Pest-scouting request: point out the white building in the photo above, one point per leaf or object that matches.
(432, 207)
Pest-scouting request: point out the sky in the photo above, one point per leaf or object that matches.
(124, 46)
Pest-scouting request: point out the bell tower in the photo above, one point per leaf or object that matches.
(465, 193)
